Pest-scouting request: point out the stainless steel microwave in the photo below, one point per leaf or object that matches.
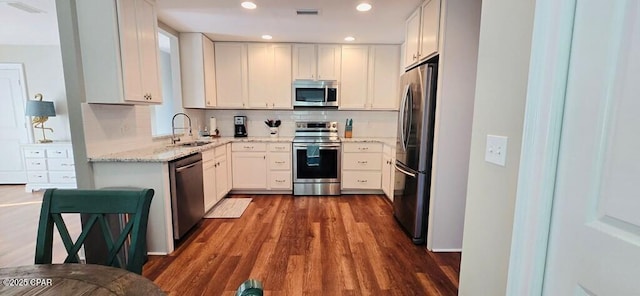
(315, 93)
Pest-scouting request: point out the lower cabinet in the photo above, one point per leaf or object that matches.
(361, 166)
(261, 166)
(280, 166)
(214, 175)
(249, 165)
(209, 179)
(388, 171)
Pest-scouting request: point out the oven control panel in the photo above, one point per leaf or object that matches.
(306, 125)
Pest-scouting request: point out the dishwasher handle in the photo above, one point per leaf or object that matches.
(186, 167)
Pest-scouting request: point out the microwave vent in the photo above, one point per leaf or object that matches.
(307, 12)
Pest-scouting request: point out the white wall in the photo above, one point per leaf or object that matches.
(460, 20)
(376, 124)
(43, 71)
(501, 86)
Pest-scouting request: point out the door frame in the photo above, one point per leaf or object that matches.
(544, 109)
(25, 96)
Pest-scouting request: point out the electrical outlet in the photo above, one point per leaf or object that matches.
(496, 150)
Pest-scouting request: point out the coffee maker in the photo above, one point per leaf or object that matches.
(240, 123)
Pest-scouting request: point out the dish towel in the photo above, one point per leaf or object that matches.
(313, 155)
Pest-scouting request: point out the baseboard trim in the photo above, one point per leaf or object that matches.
(157, 253)
(446, 250)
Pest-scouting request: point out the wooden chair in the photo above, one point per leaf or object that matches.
(95, 203)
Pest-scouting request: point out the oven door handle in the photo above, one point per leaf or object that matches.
(322, 146)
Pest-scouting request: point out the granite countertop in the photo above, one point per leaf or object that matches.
(386, 141)
(171, 152)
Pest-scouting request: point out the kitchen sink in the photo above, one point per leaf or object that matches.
(194, 144)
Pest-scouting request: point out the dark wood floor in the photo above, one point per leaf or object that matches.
(348, 245)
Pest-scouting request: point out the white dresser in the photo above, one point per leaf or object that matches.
(49, 166)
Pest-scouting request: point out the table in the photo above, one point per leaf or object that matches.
(74, 279)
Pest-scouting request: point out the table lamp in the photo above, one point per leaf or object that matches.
(41, 110)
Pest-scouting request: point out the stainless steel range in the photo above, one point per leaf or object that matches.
(316, 158)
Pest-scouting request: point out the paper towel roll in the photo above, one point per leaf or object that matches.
(212, 125)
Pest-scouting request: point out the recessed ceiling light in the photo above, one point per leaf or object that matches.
(363, 7)
(248, 5)
(349, 38)
(267, 37)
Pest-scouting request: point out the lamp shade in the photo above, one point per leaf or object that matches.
(40, 108)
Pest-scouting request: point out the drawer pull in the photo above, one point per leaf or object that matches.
(280, 181)
(279, 148)
(362, 181)
(363, 148)
(247, 147)
(279, 162)
(362, 162)
(35, 163)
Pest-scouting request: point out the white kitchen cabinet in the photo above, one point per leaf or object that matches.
(316, 62)
(412, 38)
(388, 172)
(221, 172)
(329, 59)
(231, 74)
(197, 64)
(304, 61)
(361, 166)
(249, 165)
(354, 82)
(119, 45)
(280, 166)
(370, 77)
(49, 166)
(430, 29)
(422, 33)
(269, 74)
(209, 179)
(229, 167)
(384, 76)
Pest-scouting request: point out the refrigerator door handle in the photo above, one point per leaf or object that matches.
(412, 175)
(409, 110)
(405, 94)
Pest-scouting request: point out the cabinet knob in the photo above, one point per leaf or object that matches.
(273, 105)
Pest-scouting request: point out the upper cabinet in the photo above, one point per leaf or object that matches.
(269, 73)
(354, 82)
(412, 38)
(422, 33)
(253, 75)
(384, 76)
(197, 66)
(316, 62)
(231, 74)
(119, 46)
(370, 75)
(430, 29)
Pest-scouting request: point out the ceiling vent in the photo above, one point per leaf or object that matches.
(307, 12)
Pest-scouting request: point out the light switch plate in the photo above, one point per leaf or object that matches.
(496, 150)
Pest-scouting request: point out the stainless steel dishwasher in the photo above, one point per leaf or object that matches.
(187, 193)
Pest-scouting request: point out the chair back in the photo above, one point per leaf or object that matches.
(96, 204)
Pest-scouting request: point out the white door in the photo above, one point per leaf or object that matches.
(13, 125)
(594, 244)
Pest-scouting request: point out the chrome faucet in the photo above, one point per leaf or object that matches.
(173, 127)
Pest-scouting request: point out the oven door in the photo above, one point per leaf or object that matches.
(328, 169)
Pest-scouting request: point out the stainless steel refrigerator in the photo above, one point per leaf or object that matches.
(414, 149)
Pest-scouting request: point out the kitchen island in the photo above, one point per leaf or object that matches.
(148, 168)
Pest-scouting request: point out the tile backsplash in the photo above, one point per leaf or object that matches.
(366, 124)
(117, 128)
